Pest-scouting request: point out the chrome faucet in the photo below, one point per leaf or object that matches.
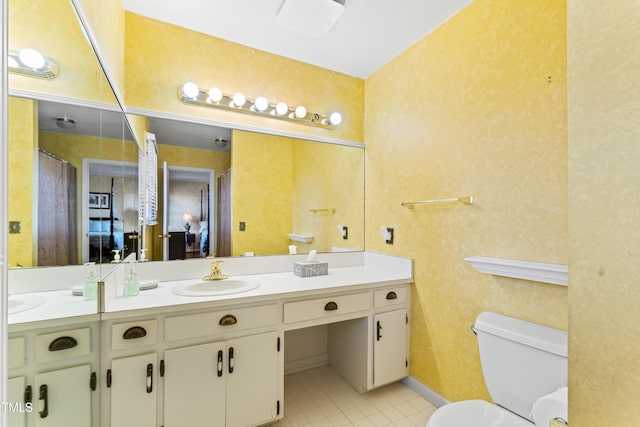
(216, 272)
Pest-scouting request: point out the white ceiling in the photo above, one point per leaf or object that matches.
(368, 35)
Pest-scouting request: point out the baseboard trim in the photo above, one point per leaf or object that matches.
(306, 363)
(434, 398)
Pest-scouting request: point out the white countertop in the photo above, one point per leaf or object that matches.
(378, 270)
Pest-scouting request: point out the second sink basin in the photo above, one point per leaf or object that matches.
(24, 302)
(215, 287)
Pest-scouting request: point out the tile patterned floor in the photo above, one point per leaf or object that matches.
(321, 398)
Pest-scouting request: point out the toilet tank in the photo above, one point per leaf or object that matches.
(521, 361)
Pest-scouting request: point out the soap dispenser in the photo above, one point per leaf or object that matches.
(131, 281)
(90, 290)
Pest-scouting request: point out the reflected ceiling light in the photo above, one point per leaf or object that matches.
(189, 93)
(261, 103)
(220, 142)
(65, 122)
(190, 90)
(215, 94)
(281, 108)
(300, 112)
(30, 62)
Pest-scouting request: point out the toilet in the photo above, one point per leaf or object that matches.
(521, 363)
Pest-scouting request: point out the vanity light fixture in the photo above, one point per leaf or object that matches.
(30, 62)
(189, 93)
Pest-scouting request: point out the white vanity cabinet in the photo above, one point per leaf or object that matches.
(215, 384)
(193, 368)
(52, 375)
(389, 347)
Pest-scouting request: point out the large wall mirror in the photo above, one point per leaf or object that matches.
(73, 193)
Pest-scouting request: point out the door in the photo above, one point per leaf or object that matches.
(389, 347)
(17, 413)
(223, 244)
(165, 211)
(62, 398)
(194, 386)
(252, 380)
(133, 391)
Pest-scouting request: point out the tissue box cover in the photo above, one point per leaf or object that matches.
(310, 269)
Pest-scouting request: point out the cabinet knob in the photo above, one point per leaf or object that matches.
(392, 295)
(330, 306)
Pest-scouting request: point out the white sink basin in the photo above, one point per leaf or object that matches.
(215, 287)
(24, 302)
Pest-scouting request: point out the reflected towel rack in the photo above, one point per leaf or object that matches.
(465, 200)
(331, 210)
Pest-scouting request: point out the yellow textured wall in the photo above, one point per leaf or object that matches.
(22, 166)
(106, 18)
(261, 188)
(219, 161)
(173, 55)
(328, 176)
(604, 206)
(478, 107)
(52, 28)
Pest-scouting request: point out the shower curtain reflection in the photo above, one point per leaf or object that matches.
(57, 207)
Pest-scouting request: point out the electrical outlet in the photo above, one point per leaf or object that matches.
(242, 226)
(15, 227)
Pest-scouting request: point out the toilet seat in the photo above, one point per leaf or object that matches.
(475, 413)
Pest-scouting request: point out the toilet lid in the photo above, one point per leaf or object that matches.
(475, 413)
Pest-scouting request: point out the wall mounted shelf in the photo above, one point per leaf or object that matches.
(304, 238)
(556, 274)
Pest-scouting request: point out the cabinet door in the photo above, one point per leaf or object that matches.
(194, 386)
(17, 413)
(252, 383)
(389, 347)
(133, 391)
(62, 398)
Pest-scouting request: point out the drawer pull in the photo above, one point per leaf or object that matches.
(228, 319)
(44, 401)
(62, 343)
(330, 306)
(134, 332)
(392, 295)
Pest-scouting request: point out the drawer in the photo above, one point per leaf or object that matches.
(391, 296)
(16, 356)
(63, 345)
(326, 307)
(134, 334)
(215, 322)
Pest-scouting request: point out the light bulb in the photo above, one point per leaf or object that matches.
(31, 58)
(261, 103)
(190, 90)
(12, 63)
(239, 99)
(301, 112)
(215, 94)
(335, 118)
(281, 108)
